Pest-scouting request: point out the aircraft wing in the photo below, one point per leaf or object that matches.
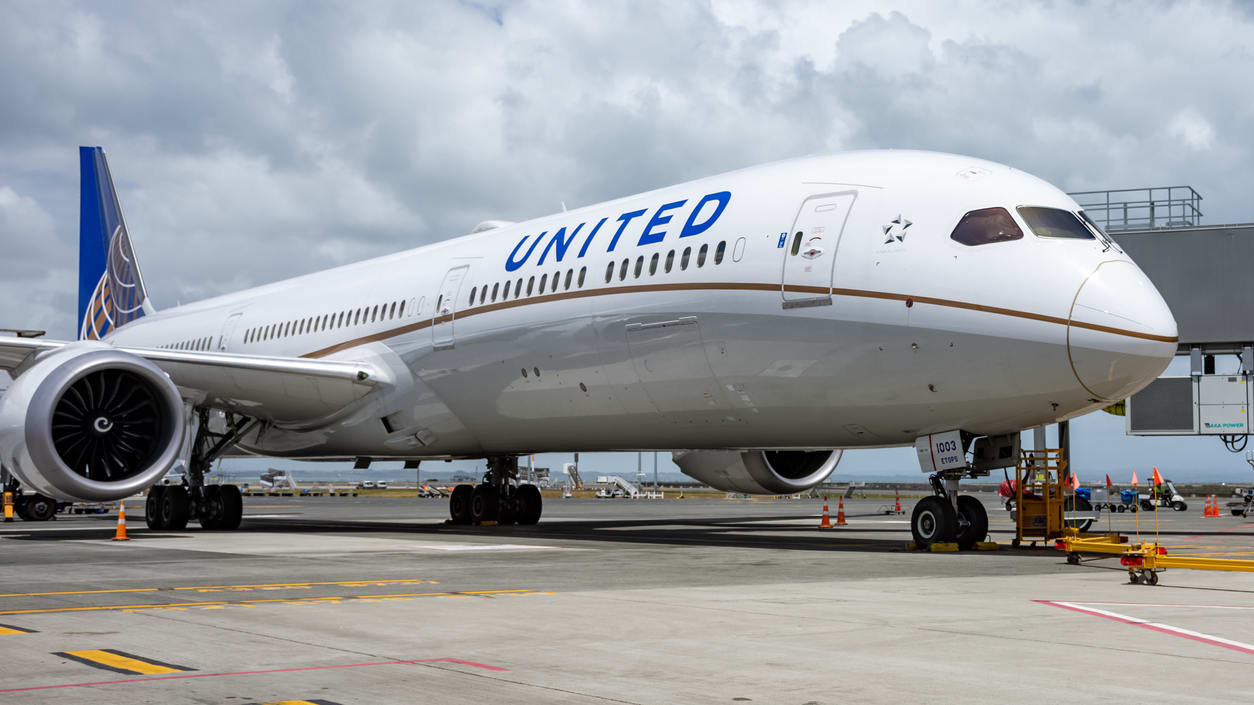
(284, 390)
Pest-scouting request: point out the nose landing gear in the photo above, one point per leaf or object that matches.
(498, 499)
(946, 516)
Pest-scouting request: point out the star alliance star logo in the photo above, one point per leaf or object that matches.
(895, 230)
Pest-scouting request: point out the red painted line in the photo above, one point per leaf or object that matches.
(1155, 627)
(185, 676)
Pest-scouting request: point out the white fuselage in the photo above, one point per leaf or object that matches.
(879, 329)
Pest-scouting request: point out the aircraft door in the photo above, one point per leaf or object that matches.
(228, 329)
(445, 311)
(810, 249)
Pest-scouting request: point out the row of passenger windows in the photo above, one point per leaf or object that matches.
(989, 225)
(487, 294)
(332, 321)
(483, 294)
(197, 344)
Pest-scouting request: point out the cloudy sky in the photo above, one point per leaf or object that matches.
(255, 141)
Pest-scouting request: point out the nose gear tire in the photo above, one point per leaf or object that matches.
(933, 521)
(976, 528)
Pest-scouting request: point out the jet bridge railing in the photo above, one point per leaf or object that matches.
(1142, 208)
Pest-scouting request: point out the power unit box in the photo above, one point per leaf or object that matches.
(1195, 405)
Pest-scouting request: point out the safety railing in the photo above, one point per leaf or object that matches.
(1142, 208)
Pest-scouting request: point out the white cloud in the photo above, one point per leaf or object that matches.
(1194, 131)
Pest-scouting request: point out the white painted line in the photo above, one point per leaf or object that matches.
(1154, 626)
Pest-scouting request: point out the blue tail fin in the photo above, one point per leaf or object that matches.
(110, 288)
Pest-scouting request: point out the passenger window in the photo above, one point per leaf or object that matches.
(473, 290)
(738, 250)
(440, 299)
(483, 294)
(556, 277)
(683, 261)
(531, 284)
(505, 292)
(670, 261)
(653, 264)
(719, 251)
(1054, 223)
(570, 273)
(401, 312)
(701, 255)
(392, 311)
(544, 280)
(639, 266)
(582, 272)
(374, 314)
(796, 243)
(496, 288)
(622, 270)
(518, 288)
(985, 226)
(609, 272)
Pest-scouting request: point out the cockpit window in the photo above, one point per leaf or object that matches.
(1099, 231)
(985, 226)
(1055, 223)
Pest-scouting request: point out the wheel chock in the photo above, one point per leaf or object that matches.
(912, 546)
(986, 545)
(487, 523)
(943, 548)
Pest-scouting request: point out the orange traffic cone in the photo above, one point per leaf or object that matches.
(120, 535)
(840, 513)
(1212, 507)
(897, 492)
(825, 522)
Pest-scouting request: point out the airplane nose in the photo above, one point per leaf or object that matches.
(1120, 334)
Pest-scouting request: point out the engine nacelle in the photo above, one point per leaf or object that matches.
(91, 423)
(758, 471)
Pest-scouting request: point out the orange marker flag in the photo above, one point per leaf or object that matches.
(1134, 478)
(1108, 483)
(1158, 479)
(1075, 481)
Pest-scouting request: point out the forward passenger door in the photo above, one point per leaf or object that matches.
(810, 249)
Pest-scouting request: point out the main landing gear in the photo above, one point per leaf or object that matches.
(216, 507)
(498, 499)
(948, 517)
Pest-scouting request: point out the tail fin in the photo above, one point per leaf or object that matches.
(110, 288)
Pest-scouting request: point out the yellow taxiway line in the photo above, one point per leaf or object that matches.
(260, 586)
(272, 600)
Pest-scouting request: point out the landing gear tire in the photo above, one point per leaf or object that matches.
(211, 511)
(232, 507)
(530, 504)
(40, 508)
(484, 504)
(976, 528)
(933, 521)
(152, 507)
(176, 508)
(459, 504)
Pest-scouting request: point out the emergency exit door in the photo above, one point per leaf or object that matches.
(810, 249)
(445, 313)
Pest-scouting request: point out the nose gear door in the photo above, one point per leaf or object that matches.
(810, 249)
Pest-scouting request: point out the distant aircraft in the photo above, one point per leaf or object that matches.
(755, 323)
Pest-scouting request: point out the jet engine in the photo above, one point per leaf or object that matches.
(89, 422)
(758, 471)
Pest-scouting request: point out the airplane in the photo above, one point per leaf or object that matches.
(756, 323)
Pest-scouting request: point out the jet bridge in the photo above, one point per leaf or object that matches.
(1203, 272)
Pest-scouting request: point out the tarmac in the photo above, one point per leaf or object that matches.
(375, 600)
